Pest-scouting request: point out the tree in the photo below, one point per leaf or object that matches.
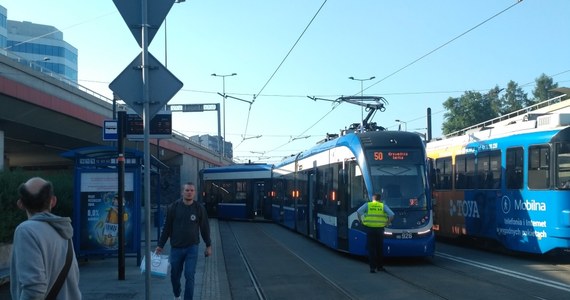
(470, 109)
(513, 99)
(543, 89)
(473, 107)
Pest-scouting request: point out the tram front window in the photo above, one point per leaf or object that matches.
(401, 185)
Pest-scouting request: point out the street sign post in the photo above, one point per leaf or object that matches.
(162, 85)
(144, 18)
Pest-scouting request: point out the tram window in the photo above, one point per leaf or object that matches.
(514, 168)
(539, 167)
(241, 191)
(465, 171)
(229, 191)
(471, 171)
(443, 173)
(489, 169)
(563, 165)
(357, 190)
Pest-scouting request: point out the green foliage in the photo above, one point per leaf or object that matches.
(513, 99)
(470, 109)
(542, 90)
(12, 215)
(473, 107)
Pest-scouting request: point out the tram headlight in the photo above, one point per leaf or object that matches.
(424, 232)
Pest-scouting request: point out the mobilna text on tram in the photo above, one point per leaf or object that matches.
(507, 180)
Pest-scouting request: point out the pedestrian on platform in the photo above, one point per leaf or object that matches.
(43, 264)
(375, 215)
(186, 220)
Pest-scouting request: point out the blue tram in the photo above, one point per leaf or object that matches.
(508, 182)
(238, 191)
(318, 191)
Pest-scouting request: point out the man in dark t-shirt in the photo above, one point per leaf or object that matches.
(186, 220)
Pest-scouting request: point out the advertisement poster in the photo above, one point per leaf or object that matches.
(99, 215)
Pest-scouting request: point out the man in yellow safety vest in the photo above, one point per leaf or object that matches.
(375, 215)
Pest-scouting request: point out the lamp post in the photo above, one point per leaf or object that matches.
(224, 105)
(361, 94)
(405, 125)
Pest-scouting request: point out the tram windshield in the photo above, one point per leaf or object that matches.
(562, 166)
(401, 185)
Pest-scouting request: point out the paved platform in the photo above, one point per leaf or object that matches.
(99, 277)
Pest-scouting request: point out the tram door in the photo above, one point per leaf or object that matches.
(258, 199)
(302, 203)
(311, 204)
(342, 206)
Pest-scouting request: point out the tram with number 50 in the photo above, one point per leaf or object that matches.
(318, 191)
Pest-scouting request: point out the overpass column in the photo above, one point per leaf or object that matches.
(1, 150)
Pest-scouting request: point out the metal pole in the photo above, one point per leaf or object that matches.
(146, 125)
(121, 191)
(219, 129)
(224, 106)
(361, 107)
(224, 103)
(165, 45)
(362, 100)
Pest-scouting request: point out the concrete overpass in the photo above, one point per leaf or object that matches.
(43, 116)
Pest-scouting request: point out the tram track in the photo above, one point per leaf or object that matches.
(245, 246)
(281, 264)
(247, 265)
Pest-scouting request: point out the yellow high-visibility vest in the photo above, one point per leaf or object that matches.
(375, 216)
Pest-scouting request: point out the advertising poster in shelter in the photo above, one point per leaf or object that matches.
(99, 215)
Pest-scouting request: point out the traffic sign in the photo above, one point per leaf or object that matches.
(162, 85)
(156, 13)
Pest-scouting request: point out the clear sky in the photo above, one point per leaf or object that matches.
(421, 53)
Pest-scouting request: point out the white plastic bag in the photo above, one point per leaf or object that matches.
(158, 265)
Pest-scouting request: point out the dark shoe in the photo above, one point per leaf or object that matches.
(372, 271)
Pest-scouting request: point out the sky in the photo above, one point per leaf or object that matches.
(420, 53)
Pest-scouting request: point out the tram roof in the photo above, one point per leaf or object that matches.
(249, 167)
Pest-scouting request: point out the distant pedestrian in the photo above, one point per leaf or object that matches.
(40, 248)
(375, 215)
(186, 220)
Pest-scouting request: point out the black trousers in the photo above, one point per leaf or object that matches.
(375, 246)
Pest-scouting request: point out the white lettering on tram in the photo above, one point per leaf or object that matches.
(464, 208)
(529, 205)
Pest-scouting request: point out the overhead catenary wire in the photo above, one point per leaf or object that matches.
(283, 60)
(416, 60)
(443, 45)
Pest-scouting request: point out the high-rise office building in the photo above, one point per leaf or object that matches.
(39, 46)
(3, 29)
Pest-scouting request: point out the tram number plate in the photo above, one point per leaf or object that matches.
(405, 236)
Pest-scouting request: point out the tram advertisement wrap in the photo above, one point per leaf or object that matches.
(99, 211)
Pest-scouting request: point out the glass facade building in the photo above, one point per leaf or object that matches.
(3, 29)
(39, 46)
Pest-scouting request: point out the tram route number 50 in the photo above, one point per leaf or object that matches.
(378, 155)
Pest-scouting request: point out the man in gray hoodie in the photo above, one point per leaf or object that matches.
(40, 246)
